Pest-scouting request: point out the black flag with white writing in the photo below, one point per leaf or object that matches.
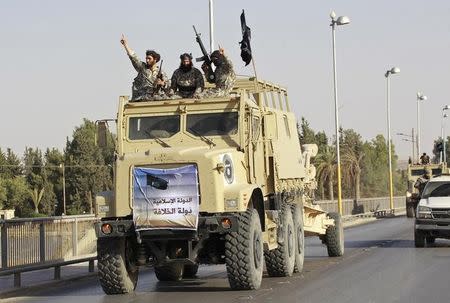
(246, 50)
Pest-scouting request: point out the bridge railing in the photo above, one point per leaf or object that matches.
(351, 207)
(37, 243)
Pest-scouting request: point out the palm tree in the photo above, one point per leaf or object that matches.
(352, 162)
(326, 166)
(36, 196)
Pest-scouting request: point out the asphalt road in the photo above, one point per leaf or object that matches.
(381, 264)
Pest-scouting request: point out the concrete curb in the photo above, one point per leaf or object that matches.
(361, 219)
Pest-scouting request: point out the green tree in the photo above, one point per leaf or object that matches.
(306, 133)
(54, 159)
(17, 195)
(326, 167)
(86, 170)
(36, 197)
(2, 193)
(13, 166)
(352, 159)
(375, 163)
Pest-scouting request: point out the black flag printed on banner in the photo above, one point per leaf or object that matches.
(246, 50)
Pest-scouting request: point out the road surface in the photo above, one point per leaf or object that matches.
(380, 264)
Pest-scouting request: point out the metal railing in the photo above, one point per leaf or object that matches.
(351, 207)
(38, 243)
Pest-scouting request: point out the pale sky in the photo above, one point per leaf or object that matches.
(62, 61)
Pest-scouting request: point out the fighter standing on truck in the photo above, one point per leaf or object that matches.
(149, 83)
(187, 81)
(425, 159)
(223, 76)
(422, 181)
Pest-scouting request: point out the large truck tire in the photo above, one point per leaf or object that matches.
(410, 210)
(334, 237)
(430, 240)
(419, 238)
(280, 262)
(169, 272)
(190, 270)
(297, 217)
(116, 271)
(244, 256)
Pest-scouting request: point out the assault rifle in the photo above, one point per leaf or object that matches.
(159, 76)
(206, 58)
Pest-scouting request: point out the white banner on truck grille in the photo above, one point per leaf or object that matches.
(165, 198)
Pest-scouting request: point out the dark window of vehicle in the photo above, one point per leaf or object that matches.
(417, 172)
(217, 124)
(436, 189)
(436, 171)
(141, 128)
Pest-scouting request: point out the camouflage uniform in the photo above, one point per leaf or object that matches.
(224, 78)
(420, 183)
(145, 82)
(186, 84)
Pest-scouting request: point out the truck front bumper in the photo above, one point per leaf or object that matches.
(206, 225)
(435, 227)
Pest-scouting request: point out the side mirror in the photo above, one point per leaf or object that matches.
(102, 131)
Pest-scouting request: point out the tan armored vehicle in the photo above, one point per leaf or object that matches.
(416, 171)
(210, 181)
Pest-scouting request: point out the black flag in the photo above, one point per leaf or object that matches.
(246, 50)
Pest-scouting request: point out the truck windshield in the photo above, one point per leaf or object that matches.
(141, 128)
(436, 189)
(215, 124)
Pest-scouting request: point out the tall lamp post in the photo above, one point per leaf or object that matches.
(444, 115)
(394, 70)
(342, 20)
(64, 186)
(420, 97)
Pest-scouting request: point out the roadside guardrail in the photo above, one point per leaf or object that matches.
(37, 243)
(351, 207)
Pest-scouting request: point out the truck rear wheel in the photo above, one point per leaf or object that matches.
(430, 240)
(244, 252)
(409, 211)
(169, 272)
(116, 271)
(334, 237)
(297, 216)
(280, 262)
(419, 238)
(190, 270)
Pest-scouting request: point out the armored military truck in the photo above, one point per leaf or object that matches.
(415, 171)
(210, 181)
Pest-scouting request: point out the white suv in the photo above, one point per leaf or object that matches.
(433, 212)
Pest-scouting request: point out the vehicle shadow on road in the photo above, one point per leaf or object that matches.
(394, 243)
(194, 285)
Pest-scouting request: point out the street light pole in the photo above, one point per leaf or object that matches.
(64, 186)
(413, 141)
(444, 151)
(420, 97)
(342, 20)
(211, 26)
(393, 70)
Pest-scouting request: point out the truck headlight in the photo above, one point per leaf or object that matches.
(230, 203)
(424, 212)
